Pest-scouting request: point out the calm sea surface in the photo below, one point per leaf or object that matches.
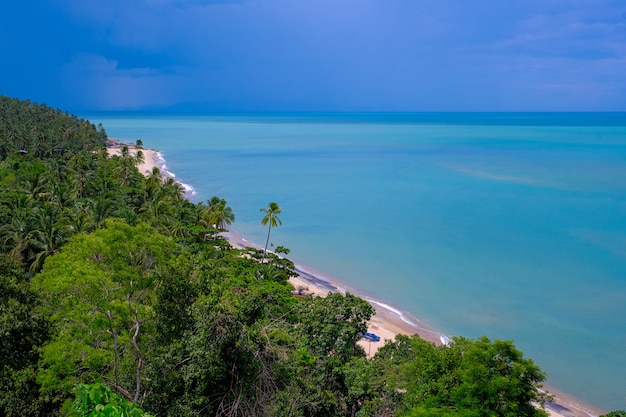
(506, 225)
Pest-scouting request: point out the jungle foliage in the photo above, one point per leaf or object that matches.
(118, 295)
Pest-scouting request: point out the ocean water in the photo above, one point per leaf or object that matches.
(507, 225)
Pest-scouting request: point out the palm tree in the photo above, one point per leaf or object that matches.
(183, 214)
(33, 184)
(79, 218)
(101, 209)
(173, 189)
(154, 180)
(47, 238)
(217, 213)
(272, 219)
(140, 158)
(15, 238)
(124, 169)
(125, 151)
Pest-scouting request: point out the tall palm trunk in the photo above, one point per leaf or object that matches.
(269, 229)
(271, 219)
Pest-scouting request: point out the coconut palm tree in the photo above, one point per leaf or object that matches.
(48, 236)
(140, 158)
(217, 214)
(79, 218)
(125, 170)
(272, 220)
(154, 180)
(182, 215)
(173, 189)
(15, 238)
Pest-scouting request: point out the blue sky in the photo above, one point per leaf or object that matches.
(316, 55)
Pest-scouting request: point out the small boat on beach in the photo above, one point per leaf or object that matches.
(371, 337)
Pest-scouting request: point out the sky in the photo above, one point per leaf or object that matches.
(315, 55)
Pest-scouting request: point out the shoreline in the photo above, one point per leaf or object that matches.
(387, 321)
(152, 159)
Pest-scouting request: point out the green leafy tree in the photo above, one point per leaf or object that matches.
(470, 377)
(325, 366)
(496, 379)
(97, 400)
(99, 297)
(271, 219)
(331, 326)
(218, 355)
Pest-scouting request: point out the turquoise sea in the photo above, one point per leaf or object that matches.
(510, 225)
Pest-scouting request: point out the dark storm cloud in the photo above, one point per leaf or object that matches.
(405, 55)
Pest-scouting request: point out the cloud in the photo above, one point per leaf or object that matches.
(97, 83)
(403, 55)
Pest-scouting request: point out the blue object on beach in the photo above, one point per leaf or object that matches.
(371, 337)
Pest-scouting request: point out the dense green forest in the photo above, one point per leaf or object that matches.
(119, 297)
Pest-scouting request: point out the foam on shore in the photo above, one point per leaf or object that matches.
(160, 162)
(153, 158)
(393, 310)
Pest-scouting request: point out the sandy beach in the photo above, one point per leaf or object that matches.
(151, 156)
(387, 321)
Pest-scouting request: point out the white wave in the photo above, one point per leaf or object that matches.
(393, 310)
(159, 158)
(445, 340)
(188, 189)
(160, 161)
